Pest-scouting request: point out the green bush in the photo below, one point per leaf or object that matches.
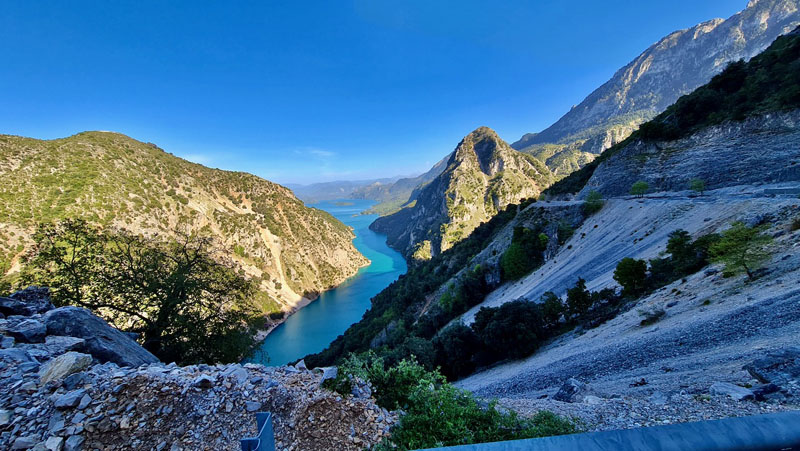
(579, 299)
(640, 188)
(525, 253)
(513, 330)
(698, 186)
(437, 413)
(631, 274)
(594, 203)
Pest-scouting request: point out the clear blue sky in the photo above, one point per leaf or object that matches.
(311, 91)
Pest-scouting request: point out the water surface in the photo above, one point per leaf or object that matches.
(313, 327)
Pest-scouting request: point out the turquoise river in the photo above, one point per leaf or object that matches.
(314, 326)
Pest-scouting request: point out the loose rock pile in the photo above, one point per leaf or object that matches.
(95, 388)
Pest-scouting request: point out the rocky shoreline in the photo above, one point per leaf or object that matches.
(93, 387)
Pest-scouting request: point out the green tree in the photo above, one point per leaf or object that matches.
(594, 202)
(579, 300)
(188, 304)
(698, 186)
(640, 188)
(631, 274)
(525, 253)
(741, 248)
(552, 309)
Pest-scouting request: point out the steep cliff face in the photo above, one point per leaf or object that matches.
(112, 180)
(763, 149)
(483, 175)
(672, 67)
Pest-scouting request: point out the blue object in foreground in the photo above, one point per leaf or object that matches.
(265, 441)
(777, 431)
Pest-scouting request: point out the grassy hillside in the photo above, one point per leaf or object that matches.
(113, 180)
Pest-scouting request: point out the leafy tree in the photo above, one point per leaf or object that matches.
(698, 186)
(525, 253)
(513, 330)
(594, 203)
(455, 347)
(552, 309)
(741, 248)
(187, 304)
(631, 274)
(640, 188)
(579, 300)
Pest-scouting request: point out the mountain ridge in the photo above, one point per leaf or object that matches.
(113, 180)
(674, 65)
(483, 175)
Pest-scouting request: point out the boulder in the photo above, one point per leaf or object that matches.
(572, 390)
(762, 391)
(203, 381)
(104, 342)
(73, 443)
(54, 443)
(734, 391)
(777, 367)
(27, 302)
(28, 331)
(328, 372)
(63, 365)
(69, 400)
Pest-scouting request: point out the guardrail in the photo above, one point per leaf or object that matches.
(778, 431)
(265, 440)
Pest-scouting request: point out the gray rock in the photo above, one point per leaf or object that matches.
(103, 342)
(572, 390)
(762, 391)
(301, 365)
(64, 365)
(6, 342)
(203, 381)
(59, 345)
(75, 380)
(54, 443)
(776, 367)
(5, 417)
(328, 372)
(69, 400)
(734, 391)
(74, 443)
(252, 406)
(24, 443)
(27, 302)
(85, 401)
(17, 355)
(28, 331)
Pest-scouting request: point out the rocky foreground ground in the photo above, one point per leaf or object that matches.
(68, 381)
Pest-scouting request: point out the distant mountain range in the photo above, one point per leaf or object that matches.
(670, 68)
(482, 176)
(112, 180)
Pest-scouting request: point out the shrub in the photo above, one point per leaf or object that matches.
(455, 348)
(651, 316)
(525, 253)
(187, 304)
(579, 300)
(594, 203)
(698, 186)
(513, 330)
(631, 274)
(437, 413)
(741, 248)
(639, 189)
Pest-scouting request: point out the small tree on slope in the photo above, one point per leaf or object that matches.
(741, 248)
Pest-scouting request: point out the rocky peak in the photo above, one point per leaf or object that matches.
(485, 145)
(673, 66)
